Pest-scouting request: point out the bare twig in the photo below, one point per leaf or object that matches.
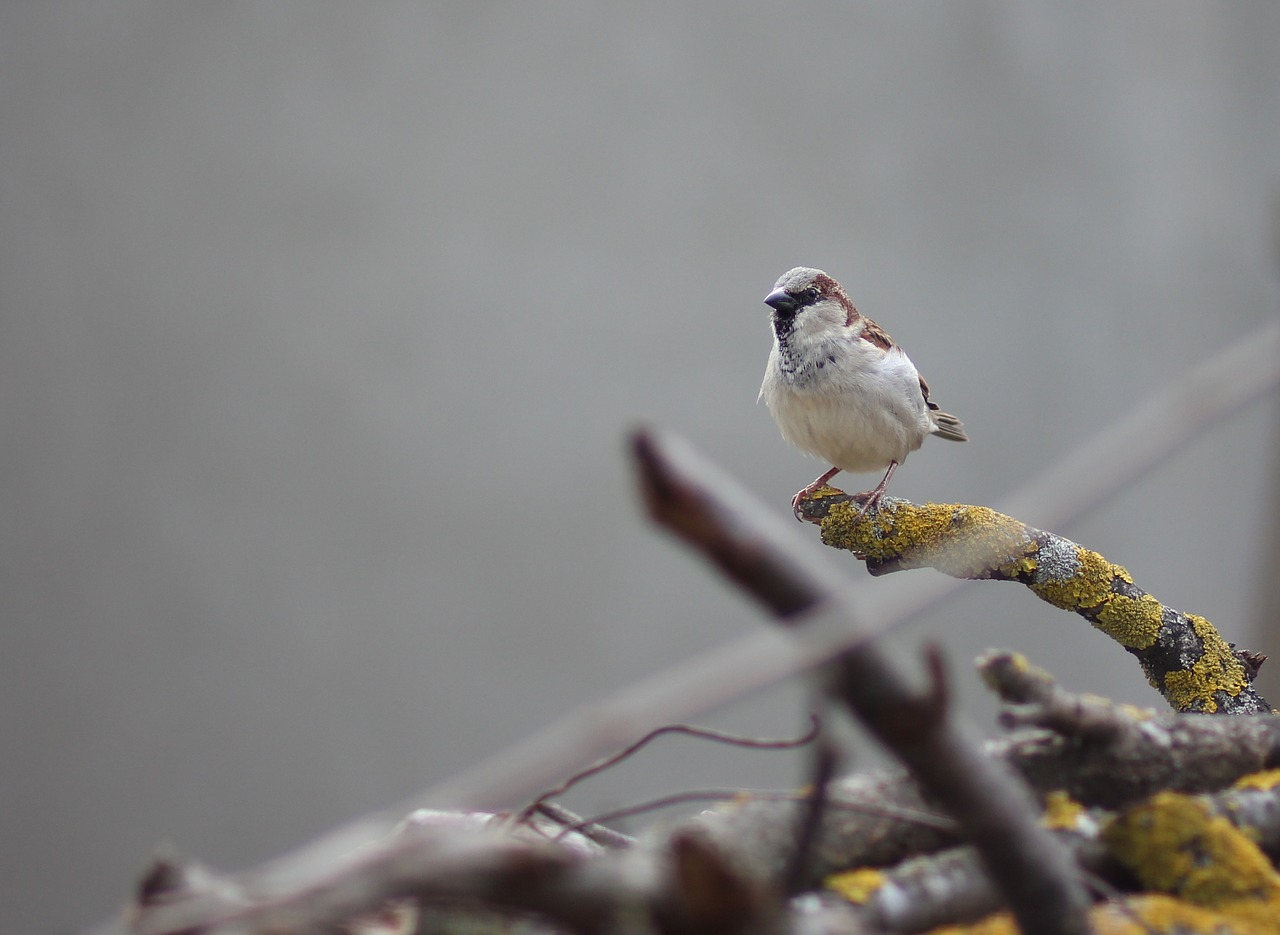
(459, 863)
(591, 830)
(1034, 699)
(746, 542)
(703, 733)
(1112, 754)
(680, 798)
(880, 809)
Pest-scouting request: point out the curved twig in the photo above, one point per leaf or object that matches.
(703, 733)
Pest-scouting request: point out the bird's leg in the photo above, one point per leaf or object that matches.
(873, 495)
(812, 488)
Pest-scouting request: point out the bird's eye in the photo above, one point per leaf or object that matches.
(809, 296)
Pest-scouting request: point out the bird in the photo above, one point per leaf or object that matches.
(841, 389)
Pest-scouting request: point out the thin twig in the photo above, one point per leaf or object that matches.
(592, 831)
(880, 809)
(703, 733)
(675, 798)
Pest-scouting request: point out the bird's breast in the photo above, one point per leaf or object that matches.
(855, 407)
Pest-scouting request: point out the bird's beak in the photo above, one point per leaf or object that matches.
(781, 301)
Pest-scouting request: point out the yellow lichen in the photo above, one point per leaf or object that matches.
(1174, 844)
(999, 924)
(1217, 669)
(1136, 713)
(1130, 622)
(1088, 587)
(993, 670)
(1144, 914)
(985, 539)
(973, 542)
(841, 531)
(1018, 568)
(1021, 663)
(959, 540)
(1149, 913)
(896, 528)
(1061, 812)
(857, 886)
(1134, 623)
(1264, 781)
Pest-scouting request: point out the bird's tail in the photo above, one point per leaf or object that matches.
(949, 427)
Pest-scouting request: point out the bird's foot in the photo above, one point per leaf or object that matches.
(870, 500)
(809, 491)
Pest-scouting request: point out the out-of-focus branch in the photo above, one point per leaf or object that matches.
(1267, 613)
(704, 733)
(725, 870)
(1205, 852)
(749, 545)
(1099, 752)
(433, 857)
(1201, 394)
(1182, 655)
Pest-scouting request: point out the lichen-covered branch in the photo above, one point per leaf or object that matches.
(1183, 655)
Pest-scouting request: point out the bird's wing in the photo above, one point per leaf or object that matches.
(875, 334)
(924, 391)
(880, 338)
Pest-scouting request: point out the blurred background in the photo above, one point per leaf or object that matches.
(321, 327)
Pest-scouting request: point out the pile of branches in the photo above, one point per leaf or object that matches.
(1085, 816)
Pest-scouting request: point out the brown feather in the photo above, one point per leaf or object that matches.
(876, 335)
(830, 289)
(924, 391)
(945, 425)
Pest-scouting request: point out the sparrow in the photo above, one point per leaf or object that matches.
(839, 387)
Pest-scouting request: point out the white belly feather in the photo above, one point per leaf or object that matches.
(858, 411)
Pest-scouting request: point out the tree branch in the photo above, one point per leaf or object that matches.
(1183, 655)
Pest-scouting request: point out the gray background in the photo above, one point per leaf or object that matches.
(322, 325)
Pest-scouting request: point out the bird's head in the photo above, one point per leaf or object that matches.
(809, 300)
